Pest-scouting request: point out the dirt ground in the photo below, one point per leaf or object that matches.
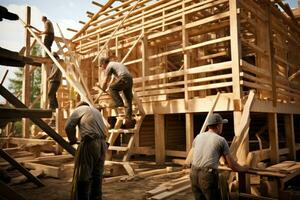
(59, 189)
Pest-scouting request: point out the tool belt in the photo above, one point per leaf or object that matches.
(205, 169)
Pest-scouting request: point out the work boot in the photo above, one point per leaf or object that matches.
(129, 122)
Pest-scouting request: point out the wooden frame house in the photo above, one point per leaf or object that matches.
(189, 57)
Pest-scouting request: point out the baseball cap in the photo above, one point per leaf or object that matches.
(216, 118)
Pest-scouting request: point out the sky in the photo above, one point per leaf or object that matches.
(66, 13)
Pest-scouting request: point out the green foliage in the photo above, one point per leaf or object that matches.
(15, 85)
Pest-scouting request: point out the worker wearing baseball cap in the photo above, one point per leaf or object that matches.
(208, 148)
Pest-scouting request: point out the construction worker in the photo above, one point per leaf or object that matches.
(208, 147)
(54, 82)
(48, 32)
(90, 155)
(123, 83)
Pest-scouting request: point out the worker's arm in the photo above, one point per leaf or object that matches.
(233, 164)
(70, 127)
(105, 82)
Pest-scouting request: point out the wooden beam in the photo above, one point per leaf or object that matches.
(109, 3)
(8, 113)
(290, 135)
(160, 148)
(26, 76)
(18, 104)
(273, 137)
(189, 131)
(24, 171)
(72, 30)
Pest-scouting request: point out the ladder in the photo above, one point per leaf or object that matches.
(132, 133)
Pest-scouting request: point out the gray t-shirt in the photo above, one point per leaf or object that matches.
(89, 121)
(208, 148)
(116, 69)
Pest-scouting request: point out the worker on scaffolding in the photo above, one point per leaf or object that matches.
(208, 148)
(123, 83)
(90, 155)
(54, 82)
(48, 32)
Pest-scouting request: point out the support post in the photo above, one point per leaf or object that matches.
(273, 137)
(290, 135)
(160, 149)
(189, 131)
(186, 55)
(26, 76)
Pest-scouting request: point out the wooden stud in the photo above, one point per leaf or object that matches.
(189, 131)
(273, 137)
(160, 149)
(26, 76)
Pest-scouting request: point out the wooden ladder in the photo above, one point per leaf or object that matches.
(133, 133)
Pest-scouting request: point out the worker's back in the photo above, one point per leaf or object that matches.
(117, 69)
(208, 148)
(89, 121)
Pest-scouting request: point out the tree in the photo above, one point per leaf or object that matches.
(15, 85)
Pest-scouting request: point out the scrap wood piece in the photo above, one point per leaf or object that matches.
(170, 174)
(153, 172)
(285, 167)
(169, 186)
(22, 178)
(24, 171)
(167, 194)
(51, 171)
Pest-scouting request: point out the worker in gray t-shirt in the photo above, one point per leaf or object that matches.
(90, 154)
(54, 83)
(123, 83)
(208, 147)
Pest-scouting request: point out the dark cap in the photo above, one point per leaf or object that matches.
(81, 103)
(104, 60)
(5, 14)
(216, 119)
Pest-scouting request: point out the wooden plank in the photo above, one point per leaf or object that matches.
(17, 103)
(160, 151)
(9, 113)
(189, 131)
(24, 171)
(273, 137)
(51, 171)
(165, 195)
(26, 88)
(235, 48)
